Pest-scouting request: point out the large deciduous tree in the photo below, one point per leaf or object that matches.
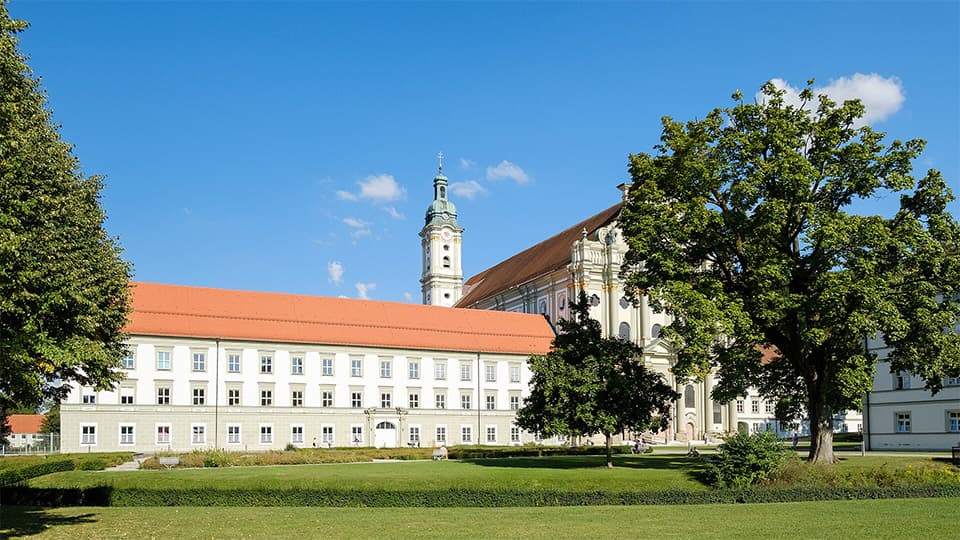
(743, 226)
(63, 284)
(589, 384)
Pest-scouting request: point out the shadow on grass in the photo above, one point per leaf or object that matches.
(692, 467)
(18, 521)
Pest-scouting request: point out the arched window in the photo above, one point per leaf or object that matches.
(688, 399)
(624, 332)
(386, 425)
(594, 300)
(543, 307)
(446, 262)
(443, 192)
(655, 331)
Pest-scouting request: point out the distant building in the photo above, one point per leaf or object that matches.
(238, 370)
(902, 415)
(25, 430)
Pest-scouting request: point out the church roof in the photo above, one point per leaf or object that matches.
(547, 256)
(25, 423)
(180, 311)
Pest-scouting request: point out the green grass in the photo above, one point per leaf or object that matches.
(874, 519)
(580, 473)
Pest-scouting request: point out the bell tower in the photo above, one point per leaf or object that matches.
(441, 281)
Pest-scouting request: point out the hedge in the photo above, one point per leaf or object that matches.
(13, 476)
(453, 497)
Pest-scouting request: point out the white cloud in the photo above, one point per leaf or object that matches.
(467, 163)
(346, 195)
(408, 297)
(881, 96)
(507, 170)
(378, 188)
(363, 289)
(335, 272)
(360, 227)
(394, 213)
(467, 189)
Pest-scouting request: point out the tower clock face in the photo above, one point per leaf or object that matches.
(446, 234)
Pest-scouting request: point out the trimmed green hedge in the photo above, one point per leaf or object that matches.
(481, 452)
(13, 476)
(453, 497)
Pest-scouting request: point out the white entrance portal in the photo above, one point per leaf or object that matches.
(385, 435)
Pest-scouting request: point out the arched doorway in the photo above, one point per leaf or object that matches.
(385, 435)
(690, 430)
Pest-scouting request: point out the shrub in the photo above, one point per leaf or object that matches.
(743, 460)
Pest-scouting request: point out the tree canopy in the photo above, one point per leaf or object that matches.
(743, 227)
(63, 284)
(589, 384)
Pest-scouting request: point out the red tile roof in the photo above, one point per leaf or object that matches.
(547, 256)
(25, 423)
(175, 310)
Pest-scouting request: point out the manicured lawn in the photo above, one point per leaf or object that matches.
(580, 473)
(880, 519)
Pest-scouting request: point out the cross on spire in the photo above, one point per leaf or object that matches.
(440, 157)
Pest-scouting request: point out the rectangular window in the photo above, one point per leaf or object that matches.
(739, 405)
(356, 434)
(491, 402)
(126, 395)
(901, 381)
(233, 397)
(386, 400)
(163, 395)
(326, 398)
(266, 363)
(414, 439)
(413, 400)
(199, 396)
(440, 371)
(296, 398)
(951, 381)
(88, 434)
(754, 406)
(356, 367)
(266, 434)
(127, 434)
(514, 374)
(127, 361)
(466, 434)
(441, 401)
(198, 434)
(413, 369)
(953, 421)
(717, 413)
(768, 407)
(386, 369)
(356, 400)
(89, 399)
(514, 434)
(296, 434)
(163, 360)
(296, 365)
(441, 434)
(466, 372)
(266, 398)
(903, 422)
(233, 363)
(491, 434)
(514, 403)
(233, 434)
(326, 435)
(490, 370)
(464, 401)
(327, 367)
(199, 361)
(163, 434)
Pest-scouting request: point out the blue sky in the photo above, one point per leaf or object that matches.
(258, 146)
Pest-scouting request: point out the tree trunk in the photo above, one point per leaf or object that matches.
(609, 450)
(821, 429)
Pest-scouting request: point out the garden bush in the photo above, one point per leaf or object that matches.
(746, 459)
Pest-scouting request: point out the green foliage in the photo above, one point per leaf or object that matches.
(51, 420)
(589, 384)
(740, 227)
(63, 285)
(744, 460)
(17, 469)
